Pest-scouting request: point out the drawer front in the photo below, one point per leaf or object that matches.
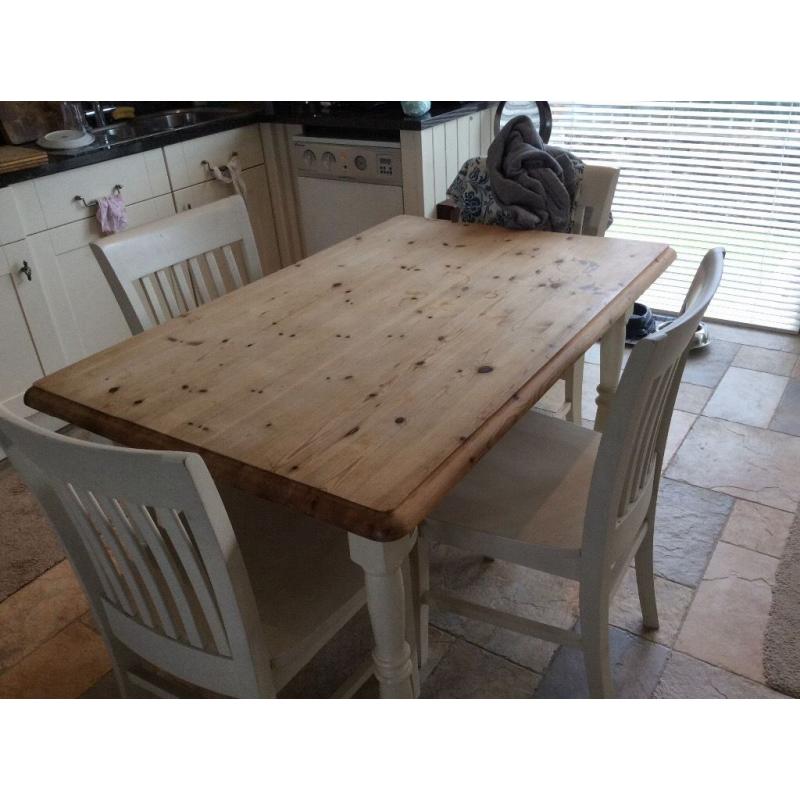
(141, 176)
(185, 159)
(84, 231)
(11, 228)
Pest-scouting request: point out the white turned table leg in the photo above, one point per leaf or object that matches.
(383, 565)
(612, 348)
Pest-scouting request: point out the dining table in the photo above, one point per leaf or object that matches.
(359, 384)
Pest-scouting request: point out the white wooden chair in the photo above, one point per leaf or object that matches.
(168, 267)
(187, 603)
(559, 498)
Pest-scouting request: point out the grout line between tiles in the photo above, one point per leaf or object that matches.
(664, 468)
(724, 669)
(43, 643)
(741, 547)
(777, 407)
(33, 580)
(491, 653)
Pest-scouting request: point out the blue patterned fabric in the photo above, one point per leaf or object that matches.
(473, 194)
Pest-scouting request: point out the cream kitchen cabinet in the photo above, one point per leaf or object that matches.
(259, 207)
(29, 346)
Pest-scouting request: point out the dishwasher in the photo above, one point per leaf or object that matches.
(344, 186)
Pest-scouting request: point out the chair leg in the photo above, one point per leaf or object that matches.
(410, 581)
(594, 641)
(420, 558)
(573, 391)
(645, 580)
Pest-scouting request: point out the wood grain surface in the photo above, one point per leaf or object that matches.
(361, 383)
(13, 159)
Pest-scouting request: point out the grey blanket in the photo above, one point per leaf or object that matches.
(533, 183)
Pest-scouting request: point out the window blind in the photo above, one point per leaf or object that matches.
(697, 174)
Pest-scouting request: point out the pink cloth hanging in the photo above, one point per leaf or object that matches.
(111, 213)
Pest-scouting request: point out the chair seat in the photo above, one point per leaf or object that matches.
(525, 500)
(305, 584)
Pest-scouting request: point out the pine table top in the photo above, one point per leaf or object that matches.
(360, 384)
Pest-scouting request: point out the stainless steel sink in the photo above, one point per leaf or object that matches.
(152, 124)
(179, 118)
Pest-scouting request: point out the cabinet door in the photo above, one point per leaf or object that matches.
(88, 313)
(259, 207)
(11, 228)
(19, 361)
(322, 201)
(28, 277)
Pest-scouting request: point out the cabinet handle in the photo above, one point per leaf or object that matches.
(26, 271)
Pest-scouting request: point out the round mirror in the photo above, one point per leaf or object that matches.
(537, 110)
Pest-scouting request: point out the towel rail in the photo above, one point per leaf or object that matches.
(207, 164)
(91, 203)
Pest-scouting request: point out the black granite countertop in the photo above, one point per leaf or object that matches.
(367, 120)
(60, 162)
(386, 116)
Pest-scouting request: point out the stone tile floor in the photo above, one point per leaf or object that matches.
(727, 501)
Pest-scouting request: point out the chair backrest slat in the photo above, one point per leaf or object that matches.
(107, 535)
(233, 267)
(152, 544)
(140, 555)
(149, 285)
(198, 579)
(184, 285)
(138, 263)
(199, 280)
(628, 465)
(170, 569)
(95, 548)
(167, 287)
(216, 275)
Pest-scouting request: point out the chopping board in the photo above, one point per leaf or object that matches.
(16, 158)
(26, 122)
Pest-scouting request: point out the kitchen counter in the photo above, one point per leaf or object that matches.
(372, 120)
(61, 161)
(386, 117)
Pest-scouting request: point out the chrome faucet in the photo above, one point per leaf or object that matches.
(99, 116)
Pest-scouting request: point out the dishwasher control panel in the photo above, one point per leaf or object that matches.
(348, 159)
